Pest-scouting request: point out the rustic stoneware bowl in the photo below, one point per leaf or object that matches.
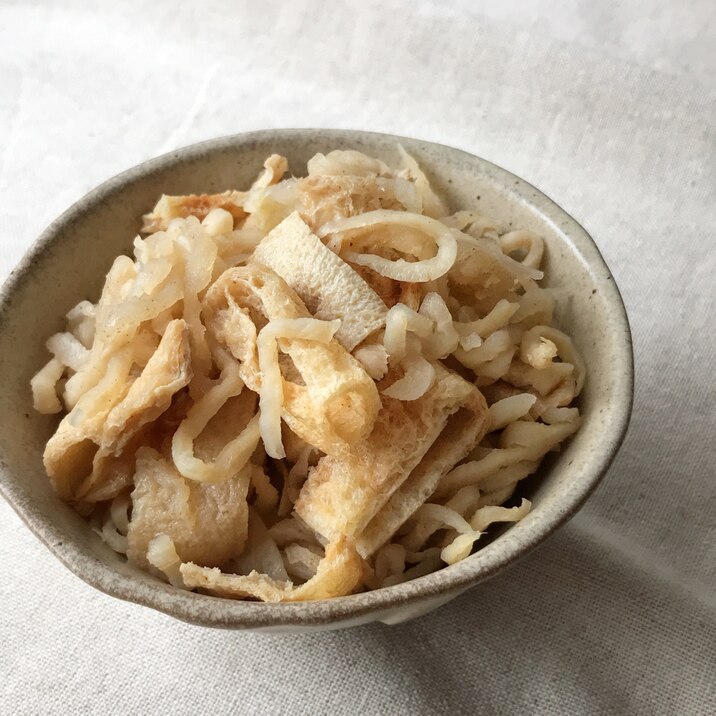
(69, 262)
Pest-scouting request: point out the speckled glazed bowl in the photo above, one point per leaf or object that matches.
(69, 262)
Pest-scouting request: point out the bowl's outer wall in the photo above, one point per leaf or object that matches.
(70, 260)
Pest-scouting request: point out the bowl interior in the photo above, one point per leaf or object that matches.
(69, 263)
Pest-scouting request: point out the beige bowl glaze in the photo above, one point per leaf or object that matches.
(69, 261)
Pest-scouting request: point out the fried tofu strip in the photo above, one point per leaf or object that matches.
(199, 205)
(108, 416)
(368, 493)
(339, 573)
(328, 286)
(335, 402)
(207, 522)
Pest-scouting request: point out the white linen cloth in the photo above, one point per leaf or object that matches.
(607, 107)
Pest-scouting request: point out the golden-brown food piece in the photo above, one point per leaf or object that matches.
(328, 286)
(206, 521)
(337, 402)
(327, 198)
(69, 452)
(167, 371)
(111, 413)
(464, 429)
(275, 167)
(339, 573)
(344, 493)
(111, 474)
(198, 205)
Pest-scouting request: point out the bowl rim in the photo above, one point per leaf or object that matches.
(515, 543)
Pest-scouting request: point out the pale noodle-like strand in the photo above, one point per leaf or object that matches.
(444, 339)
(162, 555)
(560, 415)
(68, 349)
(44, 387)
(432, 205)
(418, 379)
(472, 333)
(398, 322)
(114, 529)
(119, 512)
(374, 359)
(567, 352)
(518, 447)
(117, 541)
(236, 453)
(451, 518)
(485, 516)
(509, 409)
(400, 269)
(462, 545)
(461, 502)
(526, 240)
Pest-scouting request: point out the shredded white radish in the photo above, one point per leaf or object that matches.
(444, 339)
(81, 322)
(497, 318)
(400, 269)
(544, 380)
(398, 322)
(119, 512)
(68, 350)
(460, 547)
(495, 344)
(374, 359)
(526, 240)
(162, 555)
(445, 516)
(507, 410)
(463, 501)
(539, 353)
(432, 206)
(560, 415)
(418, 379)
(235, 454)
(218, 222)
(44, 388)
(564, 345)
(115, 540)
(486, 516)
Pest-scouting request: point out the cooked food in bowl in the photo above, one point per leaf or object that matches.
(313, 387)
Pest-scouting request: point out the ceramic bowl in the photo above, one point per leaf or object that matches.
(70, 259)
